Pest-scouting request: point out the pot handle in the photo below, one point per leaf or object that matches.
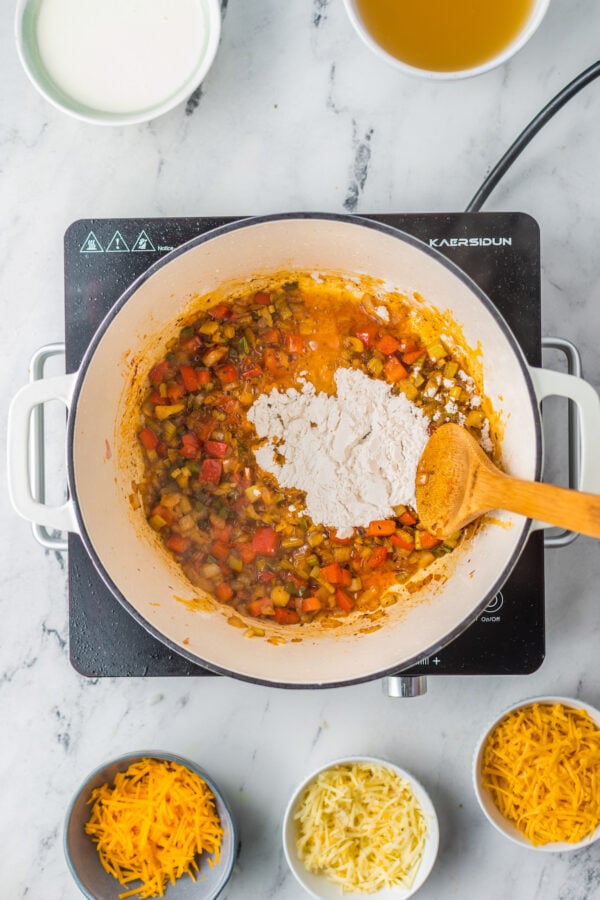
(24, 403)
(584, 425)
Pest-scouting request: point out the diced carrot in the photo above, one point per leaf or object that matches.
(394, 370)
(190, 445)
(252, 372)
(377, 557)
(262, 297)
(190, 344)
(284, 616)
(155, 397)
(272, 336)
(246, 552)
(403, 540)
(276, 361)
(426, 541)
(412, 356)
(344, 542)
(223, 534)
(178, 544)
(367, 335)
(407, 518)
(381, 527)
(157, 373)
(262, 606)
(388, 345)
(227, 374)
(205, 430)
(203, 376)
(407, 344)
(175, 391)
(224, 592)
(217, 449)
(220, 550)
(336, 574)
(189, 378)
(265, 542)
(219, 312)
(148, 439)
(210, 471)
(344, 600)
(294, 343)
(311, 604)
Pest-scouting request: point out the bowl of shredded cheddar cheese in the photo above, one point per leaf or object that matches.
(360, 826)
(536, 773)
(150, 825)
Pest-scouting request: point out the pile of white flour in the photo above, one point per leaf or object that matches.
(355, 455)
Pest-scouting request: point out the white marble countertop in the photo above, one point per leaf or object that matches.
(295, 114)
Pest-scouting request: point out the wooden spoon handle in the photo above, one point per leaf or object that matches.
(559, 506)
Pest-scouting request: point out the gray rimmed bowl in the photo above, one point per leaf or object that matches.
(82, 855)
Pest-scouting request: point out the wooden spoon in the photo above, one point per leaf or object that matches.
(456, 483)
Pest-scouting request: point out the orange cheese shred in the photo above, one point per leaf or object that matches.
(541, 764)
(152, 824)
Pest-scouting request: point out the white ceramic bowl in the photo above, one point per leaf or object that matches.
(485, 798)
(319, 886)
(537, 14)
(26, 15)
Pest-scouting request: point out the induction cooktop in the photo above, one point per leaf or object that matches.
(500, 251)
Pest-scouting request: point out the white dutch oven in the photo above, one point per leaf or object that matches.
(128, 555)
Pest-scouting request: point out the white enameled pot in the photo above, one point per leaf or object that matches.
(103, 459)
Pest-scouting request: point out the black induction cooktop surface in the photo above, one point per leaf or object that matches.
(500, 251)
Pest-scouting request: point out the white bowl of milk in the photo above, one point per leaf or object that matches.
(117, 62)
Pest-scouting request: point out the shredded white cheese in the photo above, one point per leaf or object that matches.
(362, 827)
(355, 454)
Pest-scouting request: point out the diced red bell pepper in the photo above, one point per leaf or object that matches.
(311, 604)
(164, 513)
(189, 378)
(223, 534)
(276, 361)
(246, 552)
(407, 518)
(394, 370)
(344, 600)
(178, 544)
(412, 356)
(284, 616)
(262, 297)
(224, 592)
(202, 376)
(336, 574)
(220, 312)
(367, 335)
(377, 557)
(403, 540)
(190, 345)
(388, 345)
(157, 373)
(156, 397)
(381, 527)
(162, 448)
(190, 445)
(216, 449)
(427, 541)
(227, 374)
(265, 577)
(265, 542)
(210, 471)
(148, 439)
(205, 429)
(294, 343)
(252, 372)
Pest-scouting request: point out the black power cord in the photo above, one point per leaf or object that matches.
(536, 124)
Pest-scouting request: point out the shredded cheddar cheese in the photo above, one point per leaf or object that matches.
(152, 823)
(362, 827)
(541, 764)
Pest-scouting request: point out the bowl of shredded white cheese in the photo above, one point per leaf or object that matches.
(360, 826)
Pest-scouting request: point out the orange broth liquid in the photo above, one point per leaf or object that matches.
(444, 35)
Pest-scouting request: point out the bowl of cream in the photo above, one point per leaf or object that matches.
(117, 62)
